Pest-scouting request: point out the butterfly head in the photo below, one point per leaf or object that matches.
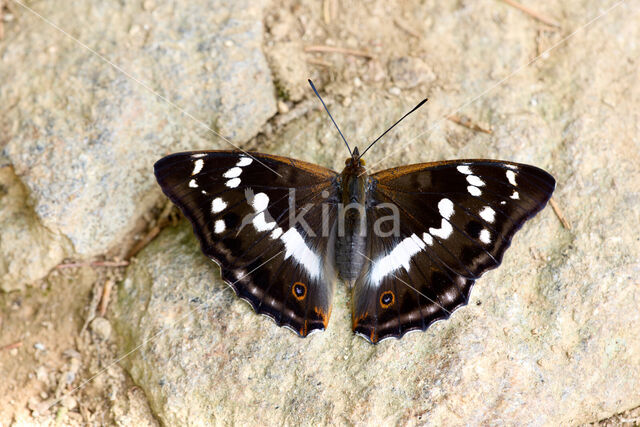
(355, 163)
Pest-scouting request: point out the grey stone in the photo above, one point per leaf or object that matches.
(408, 72)
(548, 338)
(290, 71)
(101, 327)
(83, 137)
(28, 250)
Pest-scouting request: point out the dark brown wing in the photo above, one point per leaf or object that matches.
(456, 220)
(239, 205)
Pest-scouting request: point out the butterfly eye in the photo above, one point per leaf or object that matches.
(299, 290)
(386, 299)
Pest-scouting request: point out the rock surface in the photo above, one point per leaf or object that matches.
(548, 338)
(83, 136)
(28, 249)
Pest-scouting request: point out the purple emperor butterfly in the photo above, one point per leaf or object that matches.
(408, 241)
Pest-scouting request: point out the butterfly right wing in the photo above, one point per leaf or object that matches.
(239, 206)
(455, 221)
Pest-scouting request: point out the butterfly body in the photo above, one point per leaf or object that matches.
(350, 233)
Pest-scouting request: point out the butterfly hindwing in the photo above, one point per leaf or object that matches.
(456, 219)
(239, 205)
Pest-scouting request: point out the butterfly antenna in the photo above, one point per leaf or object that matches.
(327, 110)
(394, 125)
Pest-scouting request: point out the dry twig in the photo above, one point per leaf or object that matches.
(320, 62)
(533, 13)
(96, 294)
(11, 346)
(466, 122)
(406, 28)
(104, 298)
(335, 49)
(94, 264)
(559, 214)
(329, 9)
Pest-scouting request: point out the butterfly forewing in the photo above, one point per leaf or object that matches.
(456, 219)
(239, 205)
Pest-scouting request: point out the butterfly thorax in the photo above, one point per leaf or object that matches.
(350, 243)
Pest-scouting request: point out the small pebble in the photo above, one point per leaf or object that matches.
(134, 30)
(42, 374)
(39, 346)
(101, 328)
(148, 5)
(283, 107)
(407, 72)
(394, 91)
(69, 402)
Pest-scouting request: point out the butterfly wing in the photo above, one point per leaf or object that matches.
(456, 219)
(241, 206)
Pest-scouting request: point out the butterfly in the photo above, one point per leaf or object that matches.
(409, 242)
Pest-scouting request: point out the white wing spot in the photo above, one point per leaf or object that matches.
(276, 233)
(485, 236)
(400, 256)
(261, 224)
(244, 161)
(445, 206)
(298, 249)
(488, 214)
(427, 238)
(260, 202)
(474, 191)
(474, 180)
(444, 231)
(464, 169)
(197, 166)
(219, 226)
(193, 184)
(234, 172)
(514, 167)
(198, 155)
(218, 205)
(503, 202)
(233, 183)
(515, 195)
(511, 176)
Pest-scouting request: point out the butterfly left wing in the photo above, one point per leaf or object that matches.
(239, 205)
(455, 220)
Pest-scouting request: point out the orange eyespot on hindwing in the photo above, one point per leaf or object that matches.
(387, 299)
(299, 290)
